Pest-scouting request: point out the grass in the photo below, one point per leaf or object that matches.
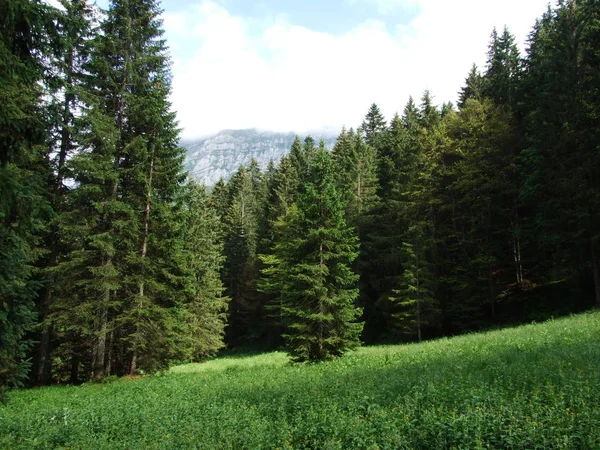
(536, 386)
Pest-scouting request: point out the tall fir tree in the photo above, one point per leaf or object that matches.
(282, 194)
(474, 87)
(74, 34)
(202, 316)
(242, 265)
(503, 69)
(310, 270)
(25, 46)
(407, 294)
(560, 163)
(373, 126)
(475, 190)
(127, 179)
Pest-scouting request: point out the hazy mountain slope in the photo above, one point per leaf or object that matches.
(218, 156)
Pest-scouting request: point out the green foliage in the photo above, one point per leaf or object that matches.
(24, 209)
(373, 126)
(476, 190)
(309, 270)
(355, 165)
(474, 87)
(415, 306)
(242, 234)
(203, 313)
(117, 282)
(561, 161)
(503, 69)
(532, 387)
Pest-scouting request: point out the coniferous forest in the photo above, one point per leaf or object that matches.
(440, 220)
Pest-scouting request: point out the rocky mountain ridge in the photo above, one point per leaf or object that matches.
(219, 156)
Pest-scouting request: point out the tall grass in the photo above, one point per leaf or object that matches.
(536, 386)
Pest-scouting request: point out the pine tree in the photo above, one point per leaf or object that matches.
(281, 196)
(355, 164)
(74, 35)
(219, 198)
(310, 270)
(242, 265)
(475, 188)
(127, 179)
(388, 157)
(503, 69)
(560, 162)
(24, 209)
(407, 298)
(342, 160)
(298, 158)
(415, 304)
(474, 87)
(429, 116)
(309, 150)
(203, 313)
(373, 126)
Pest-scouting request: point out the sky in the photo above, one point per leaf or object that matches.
(317, 65)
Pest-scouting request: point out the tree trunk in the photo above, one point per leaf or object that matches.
(596, 271)
(43, 362)
(143, 253)
(65, 133)
(321, 309)
(517, 258)
(74, 379)
(418, 291)
(98, 364)
(109, 355)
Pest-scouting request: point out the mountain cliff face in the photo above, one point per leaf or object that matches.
(218, 156)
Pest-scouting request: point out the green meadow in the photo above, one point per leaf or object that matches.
(531, 387)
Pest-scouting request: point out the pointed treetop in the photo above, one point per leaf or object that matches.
(473, 88)
(374, 124)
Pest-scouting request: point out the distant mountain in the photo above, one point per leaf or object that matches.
(220, 155)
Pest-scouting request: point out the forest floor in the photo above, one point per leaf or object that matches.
(535, 386)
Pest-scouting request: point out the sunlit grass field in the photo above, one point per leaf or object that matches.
(532, 387)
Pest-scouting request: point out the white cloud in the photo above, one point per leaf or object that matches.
(388, 6)
(289, 77)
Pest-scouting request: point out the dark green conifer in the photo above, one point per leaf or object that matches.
(24, 208)
(373, 126)
(474, 87)
(202, 317)
(310, 270)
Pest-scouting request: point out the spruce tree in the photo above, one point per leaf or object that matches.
(74, 35)
(282, 195)
(202, 316)
(219, 198)
(241, 266)
(502, 69)
(408, 298)
(120, 228)
(24, 208)
(373, 126)
(298, 158)
(473, 88)
(561, 161)
(416, 305)
(397, 167)
(310, 270)
(475, 190)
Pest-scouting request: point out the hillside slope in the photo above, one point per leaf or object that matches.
(536, 386)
